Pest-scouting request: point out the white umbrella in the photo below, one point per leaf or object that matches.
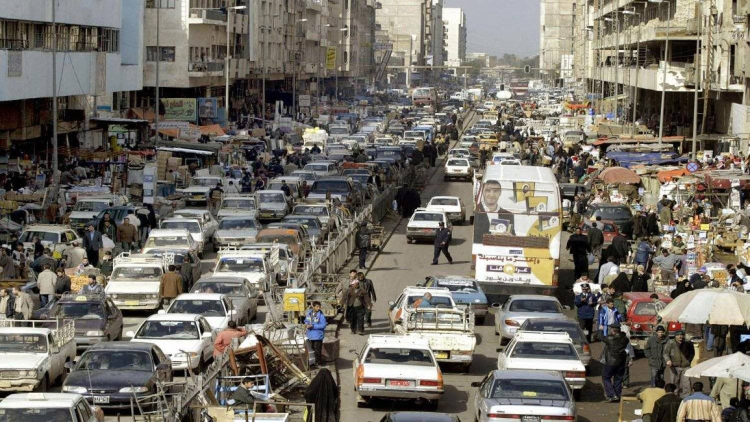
(709, 306)
(722, 366)
(743, 374)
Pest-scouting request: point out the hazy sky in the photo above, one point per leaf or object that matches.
(501, 26)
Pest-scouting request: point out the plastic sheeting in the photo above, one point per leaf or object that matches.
(629, 159)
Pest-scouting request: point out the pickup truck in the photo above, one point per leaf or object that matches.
(35, 355)
(450, 333)
(87, 208)
(255, 267)
(49, 406)
(135, 282)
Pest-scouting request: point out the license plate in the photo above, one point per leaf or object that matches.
(101, 399)
(441, 355)
(530, 418)
(4, 384)
(400, 383)
(132, 302)
(266, 214)
(427, 230)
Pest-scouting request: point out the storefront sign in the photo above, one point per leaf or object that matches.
(331, 58)
(179, 109)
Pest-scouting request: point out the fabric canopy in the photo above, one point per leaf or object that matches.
(619, 175)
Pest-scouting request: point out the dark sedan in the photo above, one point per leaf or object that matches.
(110, 374)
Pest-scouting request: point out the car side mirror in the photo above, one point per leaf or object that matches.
(496, 305)
(476, 384)
(130, 334)
(68, 365)
(164, 366)
(162, 312)
(206, 335)
(391, 304)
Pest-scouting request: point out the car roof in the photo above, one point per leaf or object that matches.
(440, 291)
(200, 296)
(121, 345)
(34, 400)
(520, 174)
(543, 337)
(445, 197)
(645, 296)
(527, 374)
(169, 232)
(533, 297)
(25, 330)
(47, 228)
(219, 279)
(397, 340)
(173, 317)
(421, 417)
(191, 211)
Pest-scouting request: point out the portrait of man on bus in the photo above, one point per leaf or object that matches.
(490, 217)
(490, 199)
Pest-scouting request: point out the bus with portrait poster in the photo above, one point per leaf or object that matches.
(517, 231)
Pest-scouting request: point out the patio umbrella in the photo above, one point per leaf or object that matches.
(709, 306)
(619, 175)
(722, 366)
(743, 374)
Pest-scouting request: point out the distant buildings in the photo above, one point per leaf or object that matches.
(454, 23)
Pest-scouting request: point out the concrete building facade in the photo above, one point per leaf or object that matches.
(556, 39)
(454, 20)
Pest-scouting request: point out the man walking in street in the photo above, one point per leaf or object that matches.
(23, 304)
(595, 239)
(363, 243)
(369, 287)
(667, 263)
(586, 303)
(654, 351)
(698, 407)
(356, 302)
(316, 323)
(442, 239)
(608, 316)
(171, 285)
(678, 354)
(615, 361)
(92, 242)
(579, 248)
(127, 235)
(46, 282)
(666, 408)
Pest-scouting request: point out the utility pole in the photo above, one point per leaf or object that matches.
(158, 62)
(709, 66)
(264, 51)
(637, 70)
(696, 88)
(55, 163)
(617, 65)
(664, 75)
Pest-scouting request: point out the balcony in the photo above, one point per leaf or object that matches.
(651, 78)
(207, 17)
(205, 69)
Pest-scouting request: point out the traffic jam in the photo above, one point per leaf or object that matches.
(432, 255)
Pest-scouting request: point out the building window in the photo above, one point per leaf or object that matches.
(346, 57)
(167, 54)
(163, 4)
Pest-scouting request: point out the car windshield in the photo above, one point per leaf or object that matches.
(115, 360)
(309, 222)
(204, 182)
(231, 289)
(426, 216)
(339, 130)
(399, 356)
(22, 343)
(530, 305)
(520, 389)
(648, 308)
(444, 201)
(612, 213)
(317, 167)
(53, 414)
(460, 163)
(207, 308)
(43, 236)
(330, 185)
(91, 206)
(240, 204)
(166, 241)
(177, 330)
(266, 197)
(79, 310)
(278, 238)
(459, 285)
(305, 210)
(555, 327)
(241, 265)
(541, 350)
(136, 273)
(191, 226)
(237, 224)
(442, 301)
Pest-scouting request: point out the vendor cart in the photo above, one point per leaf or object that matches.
(377, 238)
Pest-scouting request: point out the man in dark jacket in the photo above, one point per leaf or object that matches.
(666, 408)
(363, 243)
(369, 287)
(654, 351)
(356, 301)
(579, 247)
(595, 238)
(615, 357)
(442, 239)
(621, 247)
(586, 303)
(92, 242)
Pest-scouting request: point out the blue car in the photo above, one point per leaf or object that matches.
(465, 291)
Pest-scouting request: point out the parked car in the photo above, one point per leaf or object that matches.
(608, 228)
(399, 309)
(619, 214)
(424, 224)
(452, 206)
(562, 326)
(241, 292)
(537, 395)
(458, 168)
(465, 291)
(110, 374)
(642, 317)
(518, 308)
(236, 231)
(216, 308)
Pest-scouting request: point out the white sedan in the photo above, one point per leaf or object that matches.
(187, 339)
(216, 308)
(458, 168)
(452, 206)
(424, 224)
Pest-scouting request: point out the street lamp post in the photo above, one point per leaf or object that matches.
(664, 74)
(294, 70)
(637, 49)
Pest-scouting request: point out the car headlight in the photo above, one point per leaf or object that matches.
(113, 296)
(96, 333)
(31, 373)
(191, 355)
(74, 389)
(134, 390)
(153, 296)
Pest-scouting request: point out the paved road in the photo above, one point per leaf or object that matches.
(400, 265)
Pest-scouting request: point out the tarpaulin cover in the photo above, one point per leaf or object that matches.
(668, 175)
(629, 159)
(619, 175)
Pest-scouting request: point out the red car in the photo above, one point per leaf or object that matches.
(642, 317)
(609, 230)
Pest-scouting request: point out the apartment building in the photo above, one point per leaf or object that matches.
(556, 40)
(99, 56)
(454, 22)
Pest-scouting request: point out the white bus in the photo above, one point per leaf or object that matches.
(517, 230)
(424, 96)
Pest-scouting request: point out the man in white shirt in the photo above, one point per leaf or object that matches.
(607, 268)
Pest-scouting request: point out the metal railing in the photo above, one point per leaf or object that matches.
(214, 15)
(205, 66)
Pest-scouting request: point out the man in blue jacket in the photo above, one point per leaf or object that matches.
(316, 323)
(608, 315)
(586, 303)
